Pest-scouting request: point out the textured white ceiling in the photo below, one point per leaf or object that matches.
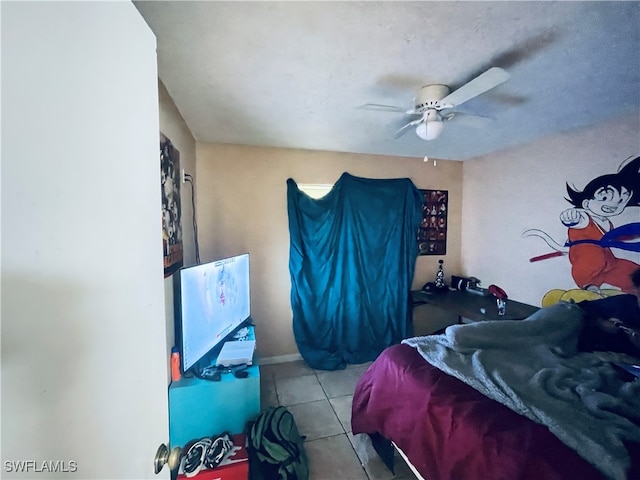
(293, 74)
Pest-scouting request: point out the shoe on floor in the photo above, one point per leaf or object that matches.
(194, 454)
(218, 450)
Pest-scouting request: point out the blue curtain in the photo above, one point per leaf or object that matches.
(352, 259)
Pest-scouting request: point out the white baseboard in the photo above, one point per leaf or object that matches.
(293, 357)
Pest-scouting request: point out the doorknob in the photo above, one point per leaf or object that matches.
(171, 458)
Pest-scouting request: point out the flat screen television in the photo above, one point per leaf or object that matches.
(214, 302)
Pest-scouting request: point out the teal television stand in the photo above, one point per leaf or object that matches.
(203, 408)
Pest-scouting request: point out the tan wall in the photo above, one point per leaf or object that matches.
(174, 127)
(242, 207)
(241, 197)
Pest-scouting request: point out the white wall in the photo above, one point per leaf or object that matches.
(83, 338)
(508, 192)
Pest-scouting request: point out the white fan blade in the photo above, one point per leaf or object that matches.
(479, 85)
(406, 128)
(450, 114)
(384, 108)
(471, 121)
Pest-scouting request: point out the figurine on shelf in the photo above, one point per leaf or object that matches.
(440, 285)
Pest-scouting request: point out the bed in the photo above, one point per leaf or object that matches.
(510, 400)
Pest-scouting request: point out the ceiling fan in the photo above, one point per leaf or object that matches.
(434, 104)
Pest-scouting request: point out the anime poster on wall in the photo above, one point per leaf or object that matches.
(594, 243)
(171, 212)
(432, 235)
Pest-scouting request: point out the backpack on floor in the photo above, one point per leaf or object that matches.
(277, 445)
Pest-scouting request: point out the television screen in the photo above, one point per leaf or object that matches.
(214, 299)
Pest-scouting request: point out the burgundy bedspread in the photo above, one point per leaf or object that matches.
(450, 431)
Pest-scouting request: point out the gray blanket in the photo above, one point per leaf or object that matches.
(533, 367)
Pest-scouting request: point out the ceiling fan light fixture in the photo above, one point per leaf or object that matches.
(430, 130)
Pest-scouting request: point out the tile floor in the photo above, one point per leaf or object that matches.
(321, 405)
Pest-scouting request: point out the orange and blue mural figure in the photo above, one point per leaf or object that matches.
(592, 235)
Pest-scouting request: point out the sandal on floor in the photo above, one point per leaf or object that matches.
(220, 447)
(194, 454)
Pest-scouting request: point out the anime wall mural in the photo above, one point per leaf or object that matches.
(592, 238)
(171, 212)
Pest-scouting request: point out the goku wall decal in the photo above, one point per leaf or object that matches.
(591, 234)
